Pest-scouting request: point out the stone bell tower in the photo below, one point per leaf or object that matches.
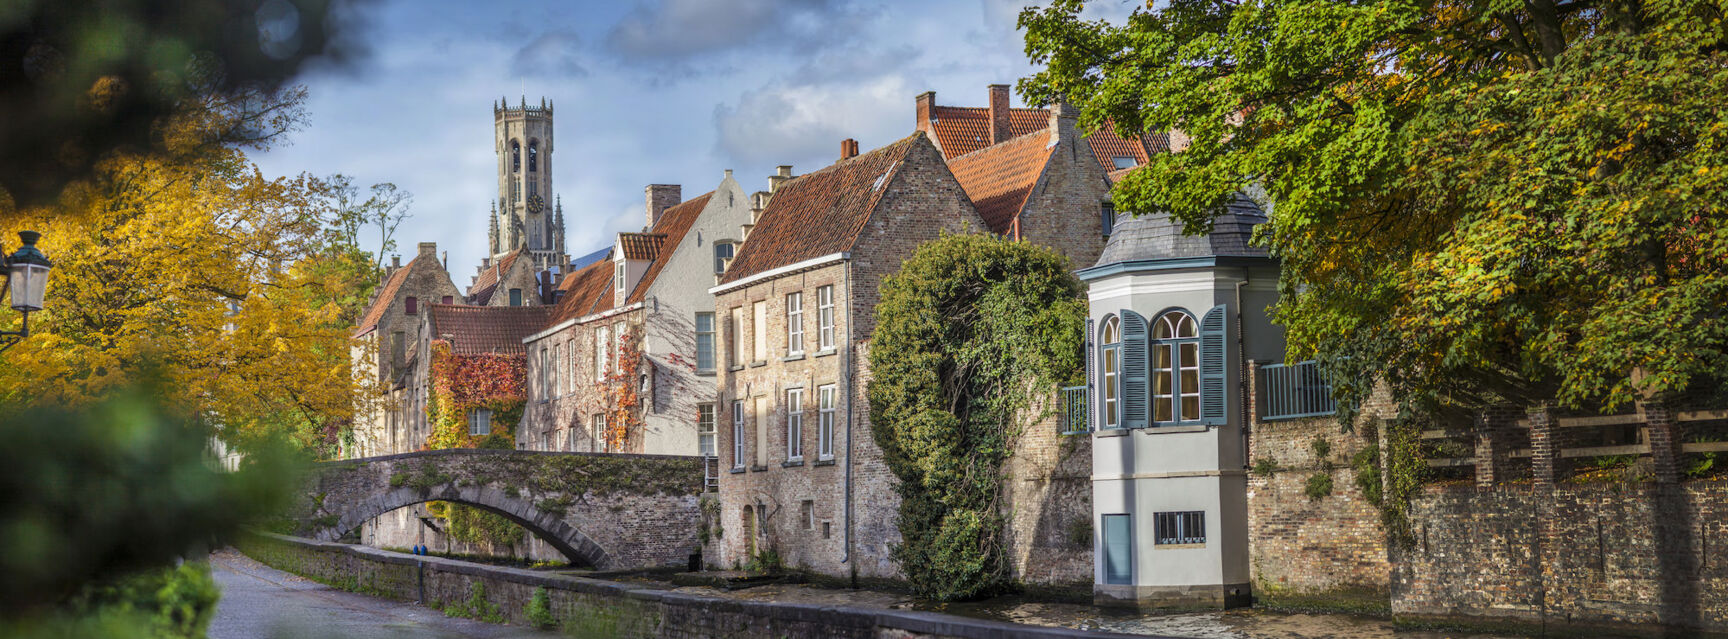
(527, 214)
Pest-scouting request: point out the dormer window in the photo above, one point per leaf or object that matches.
(533, 156)
(618, 274)
(1125, 161)
(515, 156)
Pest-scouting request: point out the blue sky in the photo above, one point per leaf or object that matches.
(646, 92)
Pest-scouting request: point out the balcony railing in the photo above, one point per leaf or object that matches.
(1075, 417)
(1290, 391)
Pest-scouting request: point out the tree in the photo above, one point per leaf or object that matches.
(1474, 202)
(971, 334)
(385, 209)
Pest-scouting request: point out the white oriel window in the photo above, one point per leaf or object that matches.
(1175, 368)
(825, 422)
(601, 340)
(737, 434)
(759, 331)
(825, 318)
(480, 421)
(1110, 358)
(795, 424)
(794, 324)
(705, 429)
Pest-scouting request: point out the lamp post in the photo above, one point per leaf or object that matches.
(27, 276)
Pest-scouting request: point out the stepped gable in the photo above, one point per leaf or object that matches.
(481, 292)
(472, 330)
(819, 213)
(1157, 236)
(672, 225)
(999, 178)
(386, 294)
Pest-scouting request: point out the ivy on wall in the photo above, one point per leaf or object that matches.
(619, 395)
(971, 333)
(460, 385)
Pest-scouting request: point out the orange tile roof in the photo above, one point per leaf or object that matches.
(819, 213)
(999, 178)
(640, 246)
(472, 330)
(963, 130)
(586, 291)
(386, 294)
(489, 277)
(672, 224)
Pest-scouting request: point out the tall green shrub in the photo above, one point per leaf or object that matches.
(971, 335)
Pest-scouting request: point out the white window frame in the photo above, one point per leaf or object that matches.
(705, 430)
(597, 428)
(825, 401)
(710, 351)
(738, 433)
(479, 422)
(794, 324)
(601, 339)
(735, 345)
(1174, 332)
(794, 424)
(825, 317)
(1110, 366)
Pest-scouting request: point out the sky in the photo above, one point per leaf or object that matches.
(645, 92)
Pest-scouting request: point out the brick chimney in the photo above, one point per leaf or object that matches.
(1064, 121)
(926, 102)
(999, 114)
(661, 197)
(848, 148)
(429, 249)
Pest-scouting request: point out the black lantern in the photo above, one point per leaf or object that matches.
(27, 277)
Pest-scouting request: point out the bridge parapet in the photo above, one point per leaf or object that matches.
(609, 511)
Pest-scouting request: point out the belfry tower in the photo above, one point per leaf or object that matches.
(527, 214)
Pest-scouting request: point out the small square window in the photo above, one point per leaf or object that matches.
(1125, 161)
(413, 305)
(480, 421)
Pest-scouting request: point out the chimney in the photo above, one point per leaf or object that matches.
(780, 176)
(926, 102)
(848, 148)
(395, 262)
(999, 114)
(1064, 121)
(661, 197)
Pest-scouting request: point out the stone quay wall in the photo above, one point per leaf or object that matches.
(597, 608)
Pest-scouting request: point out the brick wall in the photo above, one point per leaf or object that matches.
(1064, 211)
(597, 608)
(1049, 502)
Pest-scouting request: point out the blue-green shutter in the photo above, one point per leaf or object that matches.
(1090, 344)
(1136, 388)
(1214, 362)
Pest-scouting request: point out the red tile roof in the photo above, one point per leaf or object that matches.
(640, 246)
(819, 213)
(999, 178)
(386, 295)
(672, 224)
(473, 330)
(963, 130)
(488, 278)
(586, 291)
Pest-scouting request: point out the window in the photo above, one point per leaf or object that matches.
(449, 300)
(737, 337)
(704, 342)
(705, 429)
(758, 419)
(825, 318)
(825, 422)
(412, 306)
(533, 190)
(795, 424)
(515, 156)
(737, 434)
(807, 511)
(618, 332)
(759, 331)
(1110, 340)
(1107, 211)
(1175, 368)
(723, 252)
(602, 442)
(1118, 549)
(480, 421)
(515, 297)
(533, 156)
(1125, 161)
(795, 324)
(544, 389)
(618, 277)
(601, 339)
(552, 370)
(1179, 528)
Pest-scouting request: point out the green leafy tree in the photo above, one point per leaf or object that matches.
(973, 335)
(1474, 202)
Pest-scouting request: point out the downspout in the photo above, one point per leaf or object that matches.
(1242, 368)
(851, 408)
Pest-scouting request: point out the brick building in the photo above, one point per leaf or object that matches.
(385, 340)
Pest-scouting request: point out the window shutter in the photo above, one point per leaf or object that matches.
(1214, 361)
(1136, 392)
(1090, 346)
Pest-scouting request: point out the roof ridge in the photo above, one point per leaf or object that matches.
(1001, 144)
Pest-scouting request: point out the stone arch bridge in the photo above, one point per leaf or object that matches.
(609, 511)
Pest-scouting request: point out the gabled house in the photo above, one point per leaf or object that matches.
(795, 307)
(385, 340)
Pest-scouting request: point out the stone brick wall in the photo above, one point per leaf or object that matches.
(564, 420)
(597, 608)
(1064, 211)
(1049, 502)
(1617, 554)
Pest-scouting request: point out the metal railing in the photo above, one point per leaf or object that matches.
(1290, 391)
(1075, 417)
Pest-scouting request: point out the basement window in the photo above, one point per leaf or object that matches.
(1175, 528)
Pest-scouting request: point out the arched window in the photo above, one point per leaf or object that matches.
(515, 156)
(533, 156)
(1110, 359)
(1175, 368)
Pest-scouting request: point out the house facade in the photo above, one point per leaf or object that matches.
(1174, 319)
(384, 345)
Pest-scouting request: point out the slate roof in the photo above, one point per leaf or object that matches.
(576, 264)
(386, 295)
(963, 130)
(586, 291)
(473, 330)
(819, 213)
(1000, 178)
(640, 246)
(1157, 236)
(672, 225)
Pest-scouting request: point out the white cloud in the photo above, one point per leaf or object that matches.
(682, 30)
(553, 53)
(803, 124)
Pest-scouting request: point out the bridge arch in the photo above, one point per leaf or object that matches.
(575, 545)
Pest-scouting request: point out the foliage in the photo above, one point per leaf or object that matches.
(175, 602)
(1266, 467)
(476, 606)
(1318, 486)
(1366, 462)
(1321, 447)
(766, 560)
(1080, 532)
(100, 491)
(461, 384)
(971, 333)
(619, 395)
(539, 610)
(1404, 470)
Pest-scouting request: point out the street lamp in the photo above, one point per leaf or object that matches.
(27, 276)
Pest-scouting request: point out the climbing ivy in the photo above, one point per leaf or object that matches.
(461, 384)
(973, 335)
